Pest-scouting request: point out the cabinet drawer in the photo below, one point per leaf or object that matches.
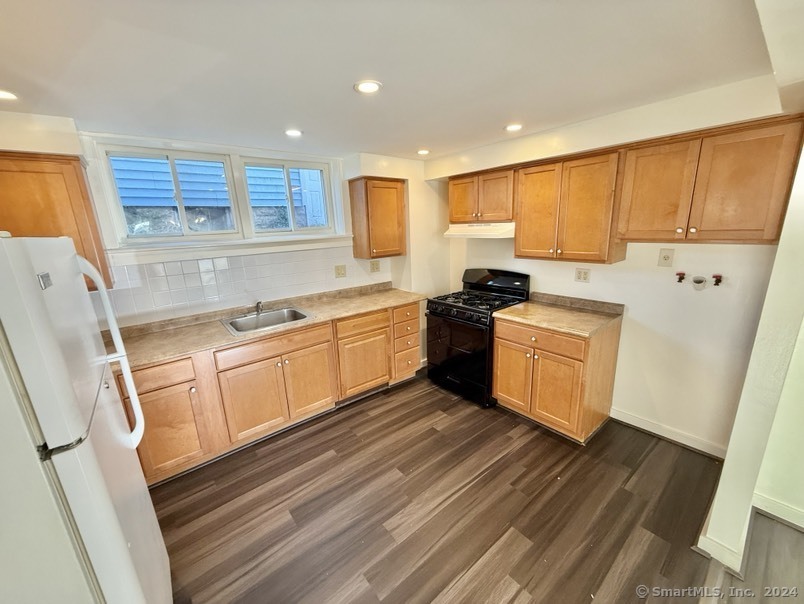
(407, 328)
(406, 313)
(407, 362)
(362, 324)
(543, 340)
(406, 342)
(159, 376)
(271, 347)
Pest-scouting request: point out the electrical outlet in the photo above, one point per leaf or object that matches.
(583, 274)
(374, 266)
(666, 256)
(340, 270)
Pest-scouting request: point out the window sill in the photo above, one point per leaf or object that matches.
(132, 253)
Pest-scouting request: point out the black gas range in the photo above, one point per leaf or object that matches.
(460, 330)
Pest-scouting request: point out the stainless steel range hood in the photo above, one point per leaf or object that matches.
(481, 230)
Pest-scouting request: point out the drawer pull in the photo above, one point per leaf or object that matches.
(407, 314)
(408, 342)
(532, 338)
(408, 327)
(410, 362)
(193, 389)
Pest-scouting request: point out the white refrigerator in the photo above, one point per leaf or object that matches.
(77, 520)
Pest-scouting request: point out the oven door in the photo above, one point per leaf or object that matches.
(458, 357)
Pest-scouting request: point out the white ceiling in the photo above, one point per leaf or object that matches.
(454, 71)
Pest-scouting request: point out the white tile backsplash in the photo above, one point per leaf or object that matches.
(150, 292)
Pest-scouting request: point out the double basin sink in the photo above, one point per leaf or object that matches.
(262, 320)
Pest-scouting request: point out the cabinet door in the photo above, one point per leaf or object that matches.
(513, 371)
(310, 379)
(536, 214)
(364, 361)
(172, 435)
(657, 191)
(496, 196)
(41, 197)
(585, 208)
(555, 394)
(254, 398)
(463, 199)
(386, 211)
(743, 183)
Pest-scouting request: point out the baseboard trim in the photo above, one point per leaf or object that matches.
(682, 438)
(780, 510)
(731, 559)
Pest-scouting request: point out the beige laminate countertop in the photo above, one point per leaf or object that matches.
(571, 321)
(145, 347)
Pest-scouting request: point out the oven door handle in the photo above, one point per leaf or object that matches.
(427, 313)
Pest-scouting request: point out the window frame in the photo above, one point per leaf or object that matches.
(124, 248)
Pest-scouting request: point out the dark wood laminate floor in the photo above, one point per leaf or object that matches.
(415, 495)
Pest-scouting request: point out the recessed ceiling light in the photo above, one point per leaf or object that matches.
(513, 127)
(293, 132)
(368, 86)
(7, 96)
(423, 152)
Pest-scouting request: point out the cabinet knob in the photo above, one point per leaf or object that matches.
(551, 250)
(480, 215)
(532, 338)
(527, 356)
(558, 251)
(535, 356)
(287, 362)
(408, 342)
(106, 385)
(680, 230)
(279, 364)
(408, 327)
(407, 314)
(693, 230)
(410, 362)
(193, 389)
(373, 251)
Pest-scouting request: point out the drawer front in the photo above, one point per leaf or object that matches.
(538, 338)
(406, 342)
(407, 362)
(406, 313)
(271, 347)
(406, 328)
(160, 376)
(345, 328)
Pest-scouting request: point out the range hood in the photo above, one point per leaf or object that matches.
(481, 230)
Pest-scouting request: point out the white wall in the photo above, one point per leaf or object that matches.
(725, 533)
(780, 487)
(683, 353)
(425, 268)
(38, 133)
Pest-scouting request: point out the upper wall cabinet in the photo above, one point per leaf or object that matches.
(485, 197)
(728, 187)
(378, 217)
(565, 210)
(47, 196)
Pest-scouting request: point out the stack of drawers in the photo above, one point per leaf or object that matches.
(407, 353)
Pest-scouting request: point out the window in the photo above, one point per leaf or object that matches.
(172, 196)
(273, 209)
(166, 195)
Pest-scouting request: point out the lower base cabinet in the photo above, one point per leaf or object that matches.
(562, 382)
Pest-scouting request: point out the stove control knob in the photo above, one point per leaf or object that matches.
(453, 311)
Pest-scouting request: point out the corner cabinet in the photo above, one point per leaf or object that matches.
(486, 197)
(731, 187)
(378, 217)
(47, 196)
(562, 382)
(565, 211)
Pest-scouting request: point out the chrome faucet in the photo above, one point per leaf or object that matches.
(258, 308)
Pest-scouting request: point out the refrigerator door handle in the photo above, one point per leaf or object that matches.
(119, 354)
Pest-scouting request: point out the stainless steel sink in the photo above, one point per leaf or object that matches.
(259, 321)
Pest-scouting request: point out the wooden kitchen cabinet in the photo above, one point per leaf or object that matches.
(267, 384)
(407, 350)
(378, 217)
(729, 187)
(565, 210)
(563, 382)
(364, 352)
(183, 415)
(486, 197)
(47, 196)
